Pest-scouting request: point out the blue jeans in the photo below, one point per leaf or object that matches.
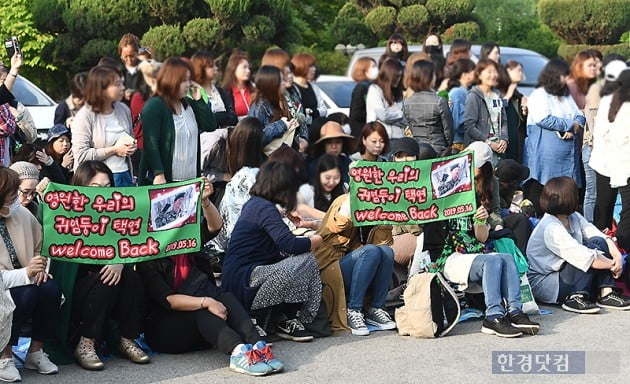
(497, 274)
(367, 266)
(590, 190)
(39, 303)
(573, 280)
(123, 179)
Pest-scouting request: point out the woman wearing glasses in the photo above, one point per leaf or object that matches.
(27, 190)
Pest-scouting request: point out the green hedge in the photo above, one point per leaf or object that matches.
(568, 52)
(381, 21)
(413, 21)
(469, 31)
(586, 21)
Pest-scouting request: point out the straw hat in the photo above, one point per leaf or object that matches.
(332, 130)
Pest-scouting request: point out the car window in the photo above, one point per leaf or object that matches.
(532, 66)
(29, 95)
(339, 91)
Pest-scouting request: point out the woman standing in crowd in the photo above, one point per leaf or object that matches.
(280, 59)
(601, 160)
(372, 143)
(310, 94)
(457, 247)
(145, 88)
(67, 110)
(364, 72)
(269, 105)
(59, 148)
(384, 99)
(95, 294)
(256, 271)
(427, 114)
(172, 123)
(461, 77)
(618, 117)
(485, 118)
(570, 261)
(324, 187)
(206, 71)
(243, 166)
(584, 72)
(396, 49)
(36, 294)
(102, 129)
(187, 311)
(516, 111)
(353, 260)
(128, 48)
(554, 120)
(237, 83)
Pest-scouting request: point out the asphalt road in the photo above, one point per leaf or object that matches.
(464, 356)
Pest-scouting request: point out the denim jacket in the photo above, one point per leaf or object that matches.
(261, 109)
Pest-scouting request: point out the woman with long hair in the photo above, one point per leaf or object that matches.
(237, 82)
(461, 77)
(485, 118)
(172, 123)
(384, 99)
(364, 73)
(324, 187)
(396, 49)
(102, 129)
(427, 114)
(205, 73)
(554, 120)
(269, 105)
(516, 111)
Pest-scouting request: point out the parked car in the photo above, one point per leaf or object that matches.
(336, 92)
(39, 104)
(532, 62)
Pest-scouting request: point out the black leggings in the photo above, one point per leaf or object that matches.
(179, 332)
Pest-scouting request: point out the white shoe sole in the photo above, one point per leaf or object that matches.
(382, 327)
(360, 332)
(529, 329)
(489, 331)
(300, 339)
(583, 311)
(613, 307)
(33, 368)
(241, 370)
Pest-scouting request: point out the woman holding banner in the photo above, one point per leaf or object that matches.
(96, 293)
(24, 272)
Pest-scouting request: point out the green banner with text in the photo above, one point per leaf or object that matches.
(412, 192)
(95, 225)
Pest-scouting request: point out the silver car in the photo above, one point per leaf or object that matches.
(39, 104)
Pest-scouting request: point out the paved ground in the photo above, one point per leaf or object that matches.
(464, 356)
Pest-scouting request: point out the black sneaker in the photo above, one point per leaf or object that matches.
(501, 327)
(521, 321)
(614, 300)
(293, 329)
(578, 303)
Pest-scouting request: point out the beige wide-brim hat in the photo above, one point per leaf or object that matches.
(332, 130)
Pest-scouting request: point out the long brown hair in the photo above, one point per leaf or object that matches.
(171, 74)
(360, 68)
(276, 57)
(229, 76)
(483, 185)
(200, 61)
(268, 81)
(577, 70)
(99, 78)
(9, 183)
(390, 80)
(245, 145)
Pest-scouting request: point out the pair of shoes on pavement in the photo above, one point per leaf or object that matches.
(255, 360)
(293, 329)
(376, 317)
(512, 325)
(37, 361)
(579, 303)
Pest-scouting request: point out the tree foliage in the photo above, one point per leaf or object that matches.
(413, 21)
(468, 31)
(586, 21)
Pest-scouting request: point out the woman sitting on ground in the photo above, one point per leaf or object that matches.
(570, 260)
(187, 311)
(268, 268)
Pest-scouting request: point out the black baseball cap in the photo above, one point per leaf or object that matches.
(509, 171)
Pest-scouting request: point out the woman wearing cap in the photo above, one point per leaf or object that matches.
(428, 114)
(598, 128)
(58, 147)
(332, 141)
(28, 188)
(384, 100)
(36, 294)
(457, 248)
(554, 120)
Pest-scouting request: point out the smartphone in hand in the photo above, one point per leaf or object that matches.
(12, 46)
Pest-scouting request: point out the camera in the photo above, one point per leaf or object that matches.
(12, 46)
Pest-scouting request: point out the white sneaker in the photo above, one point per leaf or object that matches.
(40, 362)
(8, 371)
